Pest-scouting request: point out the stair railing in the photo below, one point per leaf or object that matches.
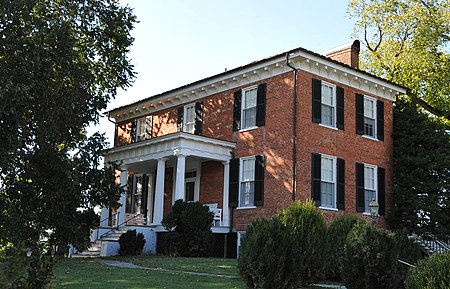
(117, 227)
(115, 214)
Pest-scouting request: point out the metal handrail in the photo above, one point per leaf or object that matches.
(107, 218)
(124, 222)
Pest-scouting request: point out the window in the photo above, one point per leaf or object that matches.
(137, 194)
(370, 191)
(144, 128)
(246, 182)
(370, 185)
(328, 104)
(189, 118)
(247, 188)
(249, 107)
(328, 181)
(369, 117)
(190, 186)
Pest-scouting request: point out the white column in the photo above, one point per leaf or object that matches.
(123, 196)
(159, 191)
(181, 171)
(226, 193)
(104, 217)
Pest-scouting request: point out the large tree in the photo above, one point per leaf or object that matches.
(408, 42)
(61, 61)
(421, 172)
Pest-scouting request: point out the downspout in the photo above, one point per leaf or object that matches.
(115, 128)
(294, 130)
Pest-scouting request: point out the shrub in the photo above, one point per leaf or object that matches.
(268, 257)
(309, 237)
(131, 244)
(370, 259)
(190, 233)
(431, 273)
(337, 236)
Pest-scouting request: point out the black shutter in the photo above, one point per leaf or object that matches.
(380, 120)
(133, 131)
(316, 171)
(340, 107)
(237, 110)
(341, 184)
(234, 183)
(144, 195)
(359, 114)
(381, 190)
(261, 105)
(198, 118)
(180, 118)
(359, 187)
(316, 100)
(129, 193)
(259, 181)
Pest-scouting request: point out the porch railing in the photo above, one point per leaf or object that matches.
(114, 220)
(432, 245)
(118, 226)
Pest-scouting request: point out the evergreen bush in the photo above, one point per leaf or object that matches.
(189, 225)
(268, 257)
(370, 259)
(431, 273)
(309, 237)
(131, 244)
(337, 236)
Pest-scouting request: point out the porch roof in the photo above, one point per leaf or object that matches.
(179, 143)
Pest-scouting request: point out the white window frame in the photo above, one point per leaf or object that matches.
(374, 101)
(241, 171)
(244, 90)
(185, 117)
(375, 183)
(334, 181)
(334, 99)
(145, 136)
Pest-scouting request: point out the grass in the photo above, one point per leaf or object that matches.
(88, 273)
(205, 265)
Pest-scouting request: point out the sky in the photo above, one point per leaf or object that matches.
(178, 42)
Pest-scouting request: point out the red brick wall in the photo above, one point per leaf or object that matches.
(274, 141)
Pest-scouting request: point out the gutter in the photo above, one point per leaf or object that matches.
(294, 130)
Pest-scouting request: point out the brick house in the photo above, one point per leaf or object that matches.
(249, 141)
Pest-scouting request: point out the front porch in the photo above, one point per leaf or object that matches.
(157, 172)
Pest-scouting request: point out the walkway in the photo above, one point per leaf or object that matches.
(128, 265)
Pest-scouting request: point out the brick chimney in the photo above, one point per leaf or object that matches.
(347, 54)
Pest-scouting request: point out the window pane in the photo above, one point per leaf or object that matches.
(369, 195)
(249, 117)
(249, 98)
(327, 195)
(327, 169)
(369, 108)
(248, 170)
(369, 127)
(247, 194)
(327, 95)
(327, 115)
(369, 178)
(138, 190)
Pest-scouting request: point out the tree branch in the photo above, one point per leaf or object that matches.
(428, 107)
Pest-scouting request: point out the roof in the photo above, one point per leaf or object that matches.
(254, 63)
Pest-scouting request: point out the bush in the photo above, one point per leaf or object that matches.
(268, 257)
(131, 244)
(337, 236)
(431, 273)
(370, 259)
(309, 236)
(190, 233)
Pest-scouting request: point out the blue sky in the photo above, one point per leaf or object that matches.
(178, 42)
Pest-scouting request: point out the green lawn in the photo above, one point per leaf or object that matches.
(87, 273)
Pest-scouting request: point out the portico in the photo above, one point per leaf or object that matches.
(146, 181)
